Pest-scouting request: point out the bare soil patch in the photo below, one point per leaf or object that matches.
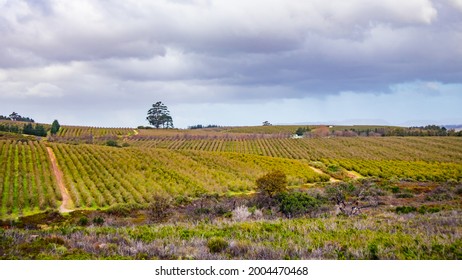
(67, 202)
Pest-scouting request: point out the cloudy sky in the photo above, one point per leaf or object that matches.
(240, 62)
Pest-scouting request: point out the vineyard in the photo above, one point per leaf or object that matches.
(187, 165)
(96, 193)
(443, 149)
(26, 183)
(84, 131)
(102, 176)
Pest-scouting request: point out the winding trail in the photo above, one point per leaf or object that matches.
(319, 171)
(67, 202)
(354, 175)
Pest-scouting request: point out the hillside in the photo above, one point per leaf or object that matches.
(190, 188)
(189, 165)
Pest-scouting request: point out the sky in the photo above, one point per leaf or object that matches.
(240, 62)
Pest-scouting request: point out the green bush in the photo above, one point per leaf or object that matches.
(404, 195)
(98, 220)
(424, 209)
(297, 203)
(217, 245)
(112, 143)
(83, 221)
(405, 209)
(123, 209)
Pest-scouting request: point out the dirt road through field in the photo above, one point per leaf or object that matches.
(319, 171)
(67, 202)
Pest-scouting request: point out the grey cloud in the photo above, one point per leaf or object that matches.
(228, 49)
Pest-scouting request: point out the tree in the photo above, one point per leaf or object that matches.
(266, 123)
(272, 183)
(14, 116)
(28, 129)
(159, 116)
(55, 127)
(302, 130)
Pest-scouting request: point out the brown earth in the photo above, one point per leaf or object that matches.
(67, 202)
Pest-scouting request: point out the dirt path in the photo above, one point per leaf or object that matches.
(319, 171)
(354, 175)
(67, 202)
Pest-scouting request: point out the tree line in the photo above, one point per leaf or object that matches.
(429, 130)
(28, 128)
(16, 117)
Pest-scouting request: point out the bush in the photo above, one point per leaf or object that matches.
(122, 209)
(297, 203)
(241, 213)
(405, 209)
(458, 190)
(112, 143)
(272, 183)
(98, 221)
(217, 245)
(424, 209)
(440, 194)
(83, 221)
(160, 207)
(404, 195)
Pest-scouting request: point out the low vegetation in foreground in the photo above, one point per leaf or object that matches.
(365, 219)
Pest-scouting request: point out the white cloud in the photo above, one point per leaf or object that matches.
(456, 4)
(44, 90)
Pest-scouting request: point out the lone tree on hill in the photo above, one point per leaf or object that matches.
(159, 116)
(14, 116)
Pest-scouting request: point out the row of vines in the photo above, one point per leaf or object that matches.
(84, 131)
(395, 169)
(98, 176)
(26, 182)
(443, 149)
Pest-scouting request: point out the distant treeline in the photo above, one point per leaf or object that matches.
(37, 129)
(200, 126)
(16, 117)
(429, 130)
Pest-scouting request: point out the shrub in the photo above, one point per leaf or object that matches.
(373, 251)
(241, 213)
(239, 248)
(272, 183)
(297, 203)
(217, 245)
(404, 195)
(98, 220)
(424, 209)
(112, 143)
(458, 190)
(440, 194)
(395, 189)
(405, 209)
(122, 209)
(83, 221)
(159, 207)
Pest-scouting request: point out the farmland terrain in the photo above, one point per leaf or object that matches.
(99, 193)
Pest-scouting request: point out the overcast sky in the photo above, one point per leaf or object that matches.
(240, 62)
